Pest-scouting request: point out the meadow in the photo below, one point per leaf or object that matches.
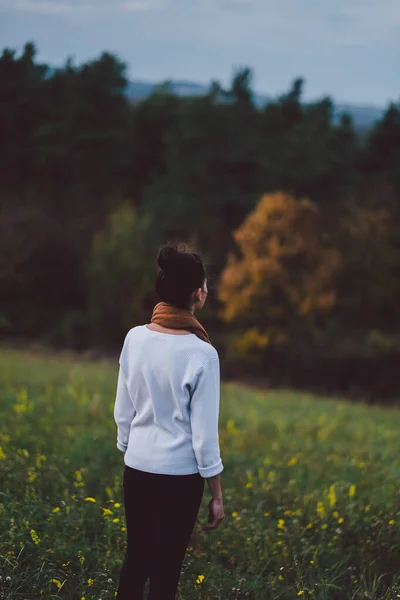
(311, 489)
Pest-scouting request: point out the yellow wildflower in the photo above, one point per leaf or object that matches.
(57, 582)
(115, 520)
(39, 459)
(35, 537)
(23, 452)
(332, 496)
(335, 514)
(89, 499)
(300, 593)
(281, 524)
(235, 514)
(90, 581)
(321, 509)
(106, 512)
(123, 528)
(266, 514)
(56, 509)
(352, 490)
(281, 577)
(293, 461)
(340, 521)
(2, 455)
(31, 474)
(391, 522)
(117, 505)
(200, 579)
(311, 562)
(309, 526)
(249, 485)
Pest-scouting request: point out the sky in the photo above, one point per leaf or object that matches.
(348, 49)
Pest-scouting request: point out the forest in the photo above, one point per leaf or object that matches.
(297, 216)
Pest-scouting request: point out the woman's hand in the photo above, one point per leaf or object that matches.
(215, 514)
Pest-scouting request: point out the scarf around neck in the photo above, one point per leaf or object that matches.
(171, 317)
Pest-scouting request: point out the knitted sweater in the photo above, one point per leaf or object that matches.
(167, 403)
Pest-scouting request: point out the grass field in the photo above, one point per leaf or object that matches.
(311, 491)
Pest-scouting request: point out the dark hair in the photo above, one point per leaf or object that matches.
(181, 273)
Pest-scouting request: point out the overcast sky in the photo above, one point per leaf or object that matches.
(349, 49)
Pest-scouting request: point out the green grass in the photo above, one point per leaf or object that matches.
(311, 491)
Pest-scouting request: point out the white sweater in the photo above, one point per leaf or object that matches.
(167, 403)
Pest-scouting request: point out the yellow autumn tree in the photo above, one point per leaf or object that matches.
(281, 279)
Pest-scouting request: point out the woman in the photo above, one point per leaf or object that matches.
(166, 410)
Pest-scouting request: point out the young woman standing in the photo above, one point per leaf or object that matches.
(166, 411)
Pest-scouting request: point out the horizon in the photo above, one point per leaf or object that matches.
(348, 51)
(262, 93)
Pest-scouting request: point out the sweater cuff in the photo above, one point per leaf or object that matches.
(211, 471)
(121, 447)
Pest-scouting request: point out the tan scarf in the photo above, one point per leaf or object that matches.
(172, 317)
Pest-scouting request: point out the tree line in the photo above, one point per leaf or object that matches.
(297, 216)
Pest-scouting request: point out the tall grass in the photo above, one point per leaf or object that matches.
(310, 486)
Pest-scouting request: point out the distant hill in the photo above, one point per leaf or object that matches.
(363, 116)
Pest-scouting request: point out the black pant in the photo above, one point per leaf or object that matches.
(161, 512)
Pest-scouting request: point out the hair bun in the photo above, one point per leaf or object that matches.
(168, 257)
(181, 272)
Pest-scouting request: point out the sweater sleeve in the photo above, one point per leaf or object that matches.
(204, 412)
(124, 411)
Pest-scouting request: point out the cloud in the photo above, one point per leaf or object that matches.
(73, 6)
(68, 6)
(139, 5)
(36, 6)
(49, 7)
(344, 23)
(369, 20)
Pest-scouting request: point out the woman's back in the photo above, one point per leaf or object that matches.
(168, 392)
